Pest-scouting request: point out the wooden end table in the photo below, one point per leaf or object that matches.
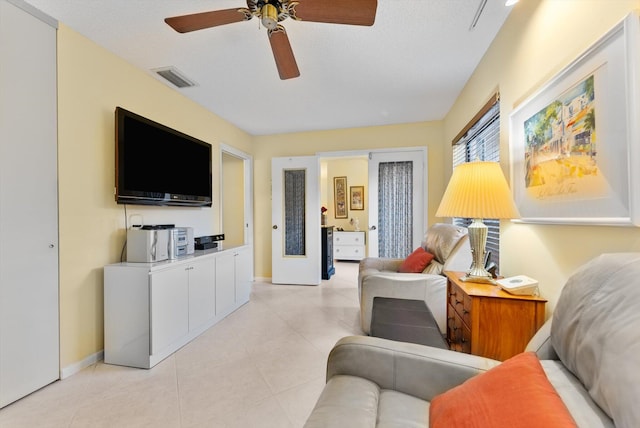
(484, 320)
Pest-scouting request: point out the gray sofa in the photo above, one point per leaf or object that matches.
(589, 350)
(379, 277)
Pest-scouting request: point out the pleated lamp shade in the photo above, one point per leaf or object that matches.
(478, 190)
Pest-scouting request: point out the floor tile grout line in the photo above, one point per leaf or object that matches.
(102, 381)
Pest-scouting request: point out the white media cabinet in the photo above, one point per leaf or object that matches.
(153, 309)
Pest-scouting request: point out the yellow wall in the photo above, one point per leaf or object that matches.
(91, 83)
(356, 171)
(424, 134)
(537, 41)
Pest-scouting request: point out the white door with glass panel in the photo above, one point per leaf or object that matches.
(397, 206)
(295, 220)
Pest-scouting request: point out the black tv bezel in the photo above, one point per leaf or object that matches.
(138, 197)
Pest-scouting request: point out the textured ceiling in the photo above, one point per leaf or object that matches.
(408, 67)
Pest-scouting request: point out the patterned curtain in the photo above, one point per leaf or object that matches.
(395, 209)
(294, 212)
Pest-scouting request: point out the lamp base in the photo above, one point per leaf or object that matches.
(479, 278)
(477, 240)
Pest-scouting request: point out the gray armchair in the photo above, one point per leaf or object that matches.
(379, 277)
(588, 351)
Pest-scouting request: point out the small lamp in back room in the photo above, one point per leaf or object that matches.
(478, 190)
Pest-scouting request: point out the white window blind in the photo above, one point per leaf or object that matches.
(482, 142)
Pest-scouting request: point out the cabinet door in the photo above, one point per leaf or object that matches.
(202, 292)
(225, 283)
(243, 263)
(169, 307)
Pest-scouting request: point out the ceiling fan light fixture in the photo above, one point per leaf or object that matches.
(271, 12)
(269, 15)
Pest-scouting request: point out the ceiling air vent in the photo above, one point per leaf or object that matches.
(176, 77)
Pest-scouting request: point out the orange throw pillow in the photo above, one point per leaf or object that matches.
(416, 262)
(515, 394)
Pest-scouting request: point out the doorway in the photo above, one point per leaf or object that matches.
(391, 231)
(236, 196)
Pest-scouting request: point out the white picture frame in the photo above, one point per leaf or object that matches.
(575, 143)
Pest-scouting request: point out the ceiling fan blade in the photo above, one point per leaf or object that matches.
(199, 21)
(352, 12)
(283, 54)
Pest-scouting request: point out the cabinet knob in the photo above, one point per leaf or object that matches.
(275, 226)
(51, 246)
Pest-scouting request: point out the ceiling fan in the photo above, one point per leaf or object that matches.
(271, 12)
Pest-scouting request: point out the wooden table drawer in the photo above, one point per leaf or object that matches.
(460, 302)
(458, 333)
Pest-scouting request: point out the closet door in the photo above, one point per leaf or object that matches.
(29, 331)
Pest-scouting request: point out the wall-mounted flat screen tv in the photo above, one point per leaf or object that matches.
(157, 165)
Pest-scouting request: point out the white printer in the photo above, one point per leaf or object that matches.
(155, 243)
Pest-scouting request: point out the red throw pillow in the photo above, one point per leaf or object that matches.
(416, 262)
(515, 394)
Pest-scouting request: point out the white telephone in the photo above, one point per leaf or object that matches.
(520, 285)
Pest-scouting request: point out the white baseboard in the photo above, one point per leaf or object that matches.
(74, 368)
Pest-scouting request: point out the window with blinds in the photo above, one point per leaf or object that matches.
(481, 141)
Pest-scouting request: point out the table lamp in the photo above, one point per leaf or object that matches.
(478, 190)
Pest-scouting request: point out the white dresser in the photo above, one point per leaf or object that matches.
(349, 245)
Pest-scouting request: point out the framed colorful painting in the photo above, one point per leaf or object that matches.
(575, 143)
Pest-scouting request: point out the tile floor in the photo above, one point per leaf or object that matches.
(262, 366)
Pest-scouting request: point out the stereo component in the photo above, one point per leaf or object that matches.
(180, 242)
(208, 242)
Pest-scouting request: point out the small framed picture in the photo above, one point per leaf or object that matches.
(356, 197)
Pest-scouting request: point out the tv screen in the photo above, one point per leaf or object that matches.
(157, 165)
